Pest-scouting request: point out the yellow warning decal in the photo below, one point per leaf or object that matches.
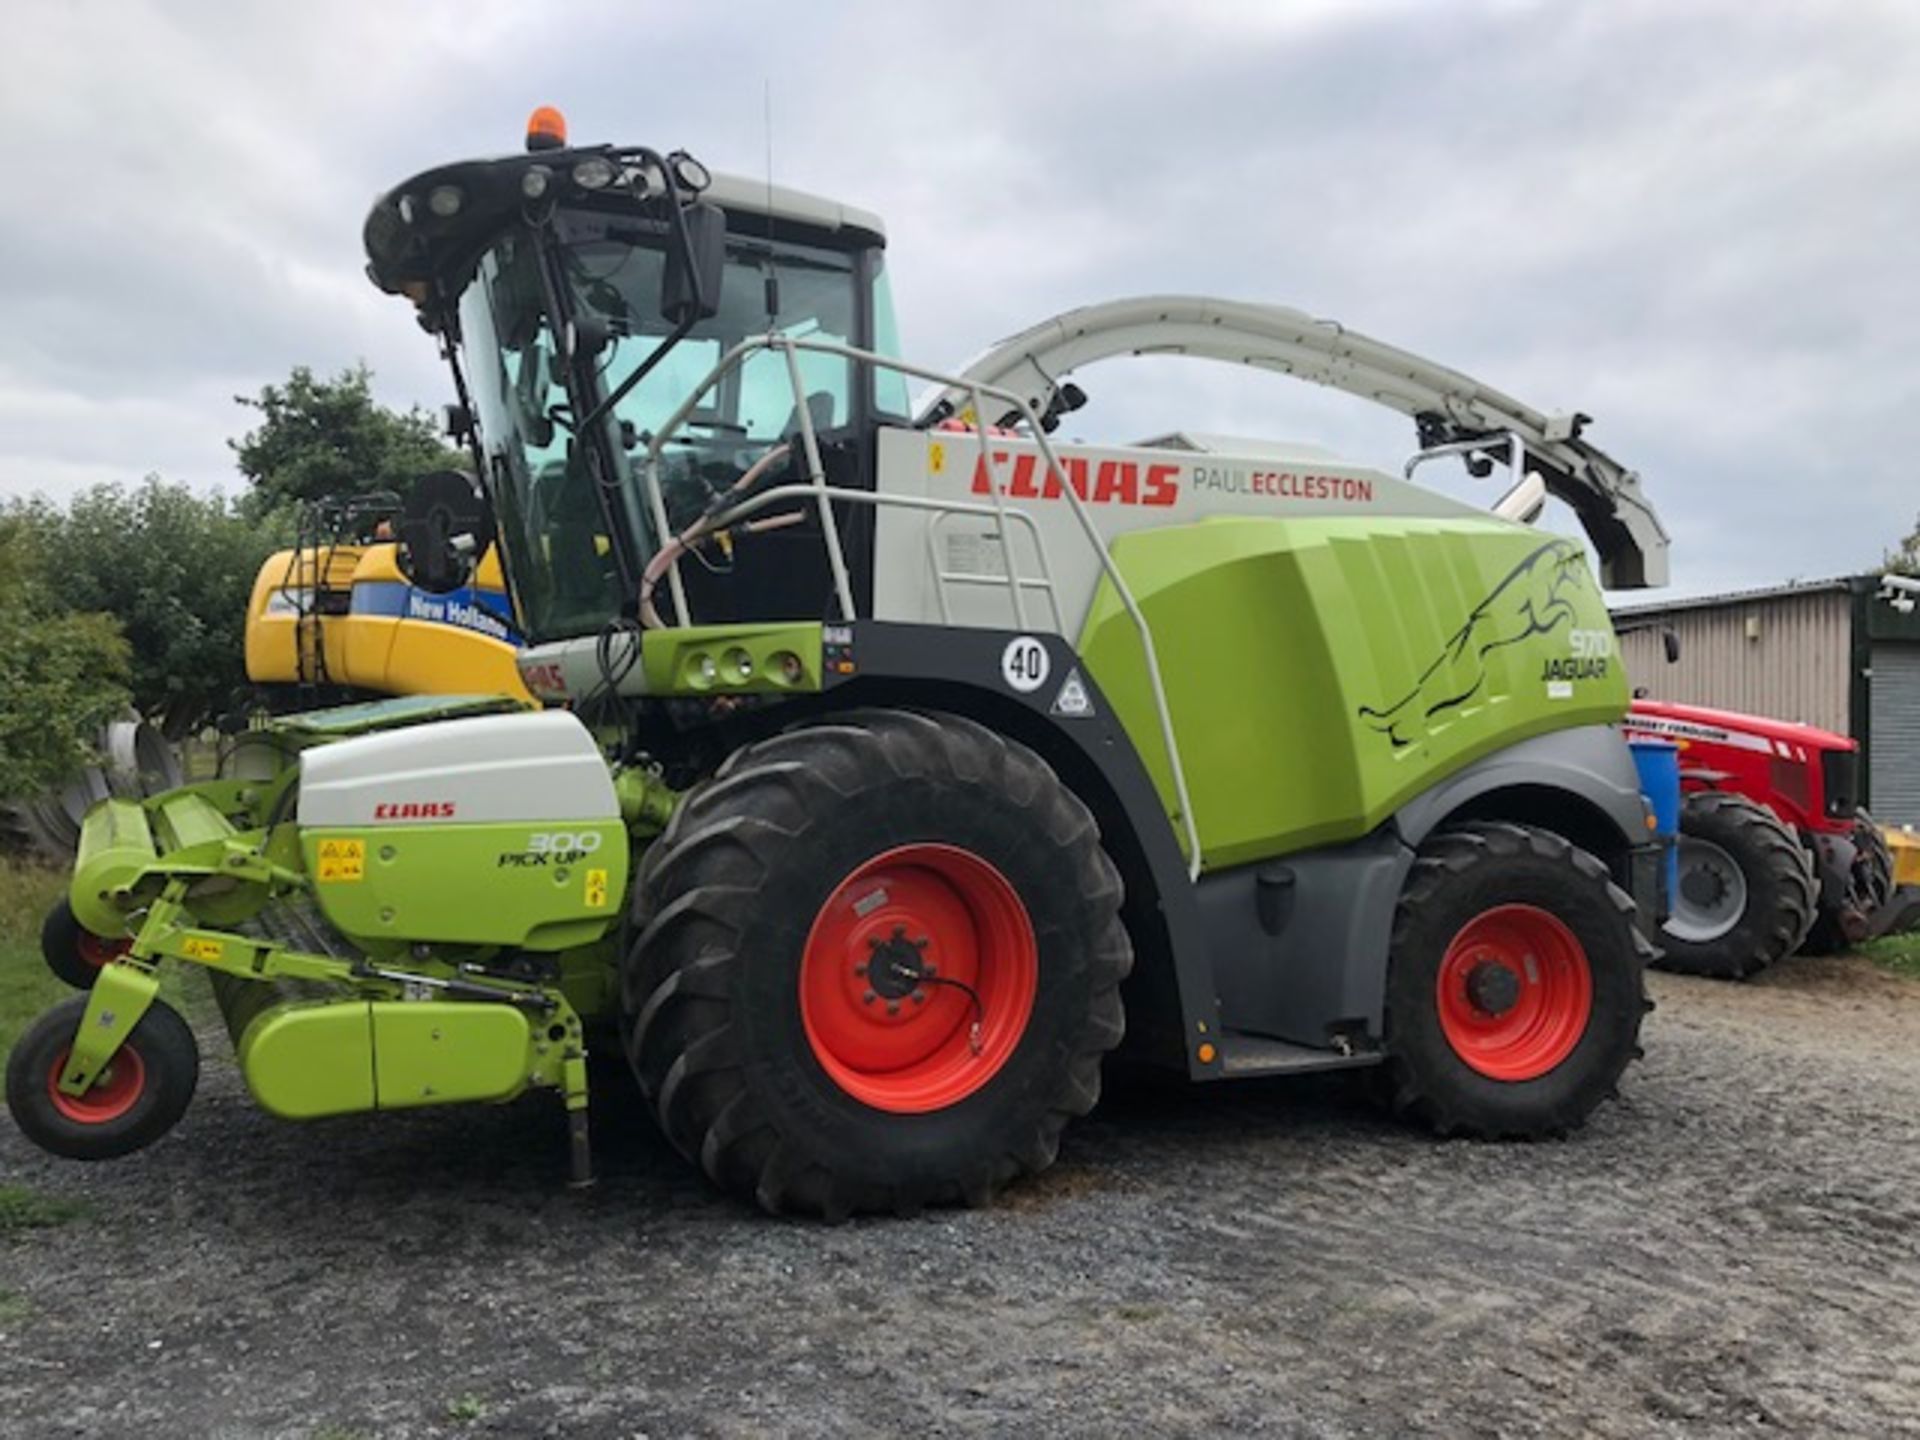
(596, 889)
(195, 948)
(936, 458)
(341, 861)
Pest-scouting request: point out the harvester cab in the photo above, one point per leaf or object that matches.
(900, 767)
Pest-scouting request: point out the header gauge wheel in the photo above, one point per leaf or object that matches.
(137, 1098)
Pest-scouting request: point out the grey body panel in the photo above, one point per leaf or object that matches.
(1299, 945)
(1591, 761)
(1307, 960)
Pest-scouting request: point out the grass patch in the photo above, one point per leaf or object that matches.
(27, 892)
(465, 1409)
(1898, 953)
(23, 1209)
(14, 1309)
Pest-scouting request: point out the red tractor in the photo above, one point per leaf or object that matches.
(1775, 852)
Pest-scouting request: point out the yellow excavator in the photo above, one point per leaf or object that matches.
(336, 620)
(332, 619)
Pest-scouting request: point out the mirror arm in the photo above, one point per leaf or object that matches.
(620, 392)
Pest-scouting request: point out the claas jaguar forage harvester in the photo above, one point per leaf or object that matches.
(897, 766)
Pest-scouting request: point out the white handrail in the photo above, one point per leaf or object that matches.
(823, 494)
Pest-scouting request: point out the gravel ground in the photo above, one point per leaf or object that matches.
(1730, 1250)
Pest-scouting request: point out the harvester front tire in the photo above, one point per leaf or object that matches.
(140, 1096)
(73, 953)
(1514, 985)
(767, 1017)
(1747, 890)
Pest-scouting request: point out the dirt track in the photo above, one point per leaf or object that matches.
(1733, 1249)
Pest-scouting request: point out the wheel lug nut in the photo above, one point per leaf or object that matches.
(893, 1007)
(860, 970)
(919, 997)
(930, 972)
(868, 998)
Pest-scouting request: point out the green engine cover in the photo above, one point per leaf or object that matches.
(1321, 672)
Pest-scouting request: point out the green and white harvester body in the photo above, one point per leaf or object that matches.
(897, 767)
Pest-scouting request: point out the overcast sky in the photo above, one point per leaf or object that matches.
(1696, 222)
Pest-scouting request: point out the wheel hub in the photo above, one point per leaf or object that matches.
(1703, 886)
(897, 965)
(1514, 992)
(1493, 988)
(918, 978)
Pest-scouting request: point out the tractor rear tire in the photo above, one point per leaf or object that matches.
(1868, 888)
(141, 1095)
(1747, 890)
(72, 952)
(1514, 985)
(878, 963)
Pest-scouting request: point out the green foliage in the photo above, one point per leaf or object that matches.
(331, 440)
(1898, 953)
(23, 1209)
(62, 675)
(27, 987)
(1906, 559)
(465, 1409)
(175, 569)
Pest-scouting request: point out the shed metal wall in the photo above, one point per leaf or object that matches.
(1894, 738)
(1794, 665)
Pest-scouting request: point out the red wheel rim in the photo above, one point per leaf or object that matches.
(98, 951)
(907, 1044)
(113, 1093)
(1514, 992)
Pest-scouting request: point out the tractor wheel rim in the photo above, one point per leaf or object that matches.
(98, 951)
(918, 978)
(1514, 992)
(1711, 896)
(115, 1091)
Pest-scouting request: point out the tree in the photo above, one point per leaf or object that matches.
(175, 569)
(62, 675)
(330, 440)
(1906, 559)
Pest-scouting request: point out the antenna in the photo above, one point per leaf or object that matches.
(773, 278)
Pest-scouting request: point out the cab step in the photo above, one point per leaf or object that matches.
(1243, 1055)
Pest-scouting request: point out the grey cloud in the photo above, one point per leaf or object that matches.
(1693, 221)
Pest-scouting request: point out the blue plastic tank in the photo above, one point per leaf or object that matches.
(1658, 762)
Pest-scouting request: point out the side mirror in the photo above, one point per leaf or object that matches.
(445, 527)
(690, 281)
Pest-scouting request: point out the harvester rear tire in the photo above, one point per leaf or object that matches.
(72, 952)
(139, 1097)
(769, 906)
(1868, 888)
(1514, 987)
(1774, 873)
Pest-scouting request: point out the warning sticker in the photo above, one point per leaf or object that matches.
(195, 948)
(596, 889)
(1073, 701)
(341, 861)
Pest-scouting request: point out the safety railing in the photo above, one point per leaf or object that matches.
(822, 496)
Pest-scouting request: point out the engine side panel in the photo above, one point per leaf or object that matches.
(404, 831)
(1321, 672)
